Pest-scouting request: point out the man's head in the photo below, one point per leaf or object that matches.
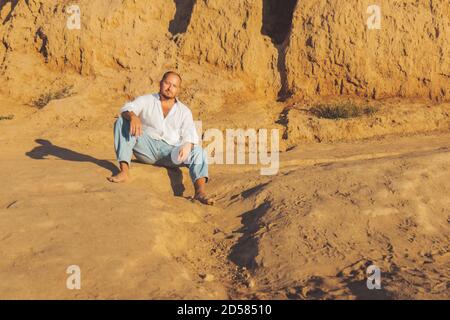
(170, 85)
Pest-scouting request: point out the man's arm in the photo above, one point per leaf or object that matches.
(128, 115)
(189, 137)
(189, 131)
(131, 111)
(184, 151)
(135, 123)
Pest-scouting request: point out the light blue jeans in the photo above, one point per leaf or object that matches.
(158, 152)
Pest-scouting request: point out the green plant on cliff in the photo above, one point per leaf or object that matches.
(341, 111)
(45, 98)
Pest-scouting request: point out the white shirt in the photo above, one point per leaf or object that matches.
(176, 129)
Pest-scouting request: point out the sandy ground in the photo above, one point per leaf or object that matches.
(308, 232)
(371, 190)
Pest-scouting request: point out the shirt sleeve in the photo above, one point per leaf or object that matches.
(188, 130)
(136, 106)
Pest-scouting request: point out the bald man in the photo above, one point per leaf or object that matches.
(159, 129)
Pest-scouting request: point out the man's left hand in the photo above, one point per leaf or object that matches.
(183, 154)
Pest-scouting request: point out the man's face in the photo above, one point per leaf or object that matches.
(170, 86)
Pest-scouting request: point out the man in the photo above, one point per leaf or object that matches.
(159, 129)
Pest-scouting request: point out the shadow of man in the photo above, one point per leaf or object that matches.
(46, 148)
(174, 173)
(176, 181)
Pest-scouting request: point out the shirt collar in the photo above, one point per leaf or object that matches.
(176, 98)
(176, 105)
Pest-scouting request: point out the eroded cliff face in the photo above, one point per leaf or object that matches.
(228, 35)
(332, 51)
(115, 39)
(265, 48)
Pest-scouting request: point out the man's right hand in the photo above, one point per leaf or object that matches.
(135, 124)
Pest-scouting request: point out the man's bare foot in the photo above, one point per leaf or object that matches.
(122, 176)
(200, 194)
(203, 198)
